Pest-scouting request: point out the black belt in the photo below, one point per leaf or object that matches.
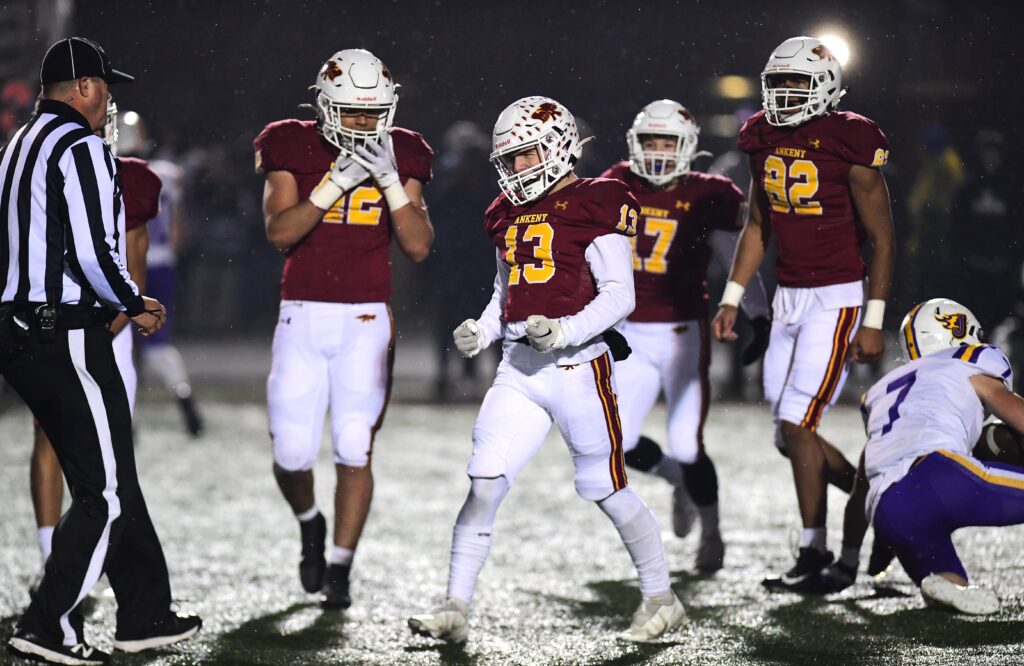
(616, 342)
(65, 317)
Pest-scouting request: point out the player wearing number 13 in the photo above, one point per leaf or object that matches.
(564, 277)
(817, 186)
(337, 189)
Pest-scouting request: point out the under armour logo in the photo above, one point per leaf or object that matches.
(562, 205)
(685, 205)
(366, 317)
(814, 143)
(569, 368)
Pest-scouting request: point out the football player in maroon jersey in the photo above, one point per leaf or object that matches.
(684, 216)
(337, 188)
(141, 203)
(564, 279)
(817, 186)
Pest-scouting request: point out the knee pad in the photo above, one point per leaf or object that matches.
(622, 506)
(292, 451)
(352, 442)
(593, 477)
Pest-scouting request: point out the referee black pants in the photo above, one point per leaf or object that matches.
(74, 389)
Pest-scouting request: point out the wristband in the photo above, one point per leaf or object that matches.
(396, 196)
(325, 194)
(874, 313)
(733, 294)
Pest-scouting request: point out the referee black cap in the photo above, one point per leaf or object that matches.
(75, 57)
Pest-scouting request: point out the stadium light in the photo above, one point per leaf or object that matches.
(735, 87)
(838, 46)
(131, 118)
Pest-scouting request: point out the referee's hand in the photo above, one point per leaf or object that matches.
(150, 321)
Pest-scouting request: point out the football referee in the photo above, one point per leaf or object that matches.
(62, 280)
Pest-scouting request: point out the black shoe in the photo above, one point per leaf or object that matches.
(836, 578)
(171, 629)
(30, 646)
(313, 563)
(804, 574)
(882, 555)
(193, 422)
(335, 594)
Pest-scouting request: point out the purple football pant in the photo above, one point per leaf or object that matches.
(944, 492)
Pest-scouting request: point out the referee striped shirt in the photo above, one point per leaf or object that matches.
(64, 216)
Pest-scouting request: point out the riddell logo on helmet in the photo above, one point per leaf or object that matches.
(366, 99)
(545, 112)
(502, 144)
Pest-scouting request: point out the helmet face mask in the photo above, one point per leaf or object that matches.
(110, 127)
(800, 59)
(545, 125)
(354, 82)
(936, 325)
(663, 119)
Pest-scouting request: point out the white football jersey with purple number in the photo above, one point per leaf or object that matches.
(161, 248)
(925, 406)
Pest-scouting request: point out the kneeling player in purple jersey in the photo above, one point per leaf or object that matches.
(684, 216)
(918, 480)
(564, 279)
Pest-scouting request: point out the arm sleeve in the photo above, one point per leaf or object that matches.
(492, 321)
(755, 300)
(610, 258)
(89, 191)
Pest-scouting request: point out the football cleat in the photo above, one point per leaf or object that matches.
(36, 648)
(836, 578)
(804, 574)
(335, 593)
(655, 617)
(941, 593)
(313, 564)
(168, 631)
(449, 622)
(684, 511)
(190, 414)
(710, 553)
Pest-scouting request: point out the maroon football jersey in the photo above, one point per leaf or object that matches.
(805, 174)
(670, 250)
(140, 188)
(345, 258)
(545, 243)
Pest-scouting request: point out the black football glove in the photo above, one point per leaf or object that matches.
(759, 343)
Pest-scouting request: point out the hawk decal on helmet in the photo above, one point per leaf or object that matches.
(330, 71)
(545, 112)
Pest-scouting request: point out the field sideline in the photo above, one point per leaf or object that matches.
(558, 584)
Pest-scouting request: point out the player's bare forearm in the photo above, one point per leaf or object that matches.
(750, 248)
(855, 522)
(871, 198)
(413, 231)
(999, 400)
(136, 247)
(288, 218)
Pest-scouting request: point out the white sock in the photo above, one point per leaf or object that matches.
(813, 537)
(641, 535)
(339, 555)
(45, 542)
(470, 546)
(708, 519)
(309, 514)
(669, 469)
(850, 556)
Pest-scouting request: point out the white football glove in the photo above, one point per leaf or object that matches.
(544, 334)
(379, 161)
(343, 177)
(468, 338)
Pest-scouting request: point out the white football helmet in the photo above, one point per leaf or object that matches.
(936, 325)
(801, 56)
(663, 118)
(110, 127)
(541, 122)
(354, 79)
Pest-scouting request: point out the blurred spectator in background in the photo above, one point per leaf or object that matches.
(17, 99)
(925, 248)
(461, 268)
